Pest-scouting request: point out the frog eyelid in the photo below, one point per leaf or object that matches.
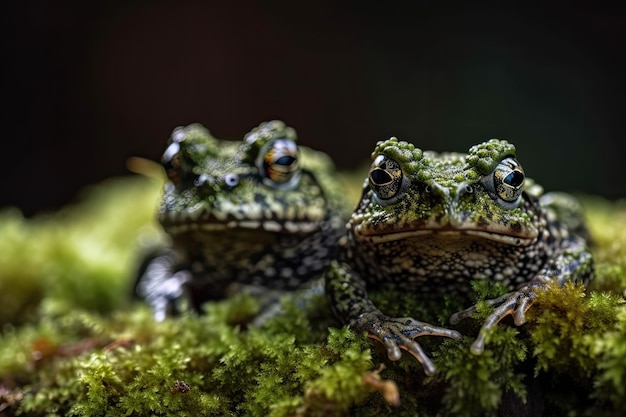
(506, 183)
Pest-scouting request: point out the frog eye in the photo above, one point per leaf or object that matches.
(508, 180)
(172, 163)
(278, 163)
(385, 177)
(177, 167)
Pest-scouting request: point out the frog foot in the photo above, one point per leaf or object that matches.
(514, 303)
(398, 333)
(162, 293)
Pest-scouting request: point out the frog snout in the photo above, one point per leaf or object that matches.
(450, 197)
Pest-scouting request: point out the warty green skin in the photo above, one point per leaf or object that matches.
(233, 222)
(439, 221)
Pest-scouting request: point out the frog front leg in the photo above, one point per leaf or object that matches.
(347, 294)
(573, 265)
(162, 284)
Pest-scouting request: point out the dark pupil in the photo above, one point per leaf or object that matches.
(380, 177)
(514, 179)
(285, 160)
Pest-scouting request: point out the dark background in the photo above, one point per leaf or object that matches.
(87, 85)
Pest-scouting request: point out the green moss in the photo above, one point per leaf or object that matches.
(564, 321)
(73, 342)
(605, 219)
(495, 372)
(79, 257)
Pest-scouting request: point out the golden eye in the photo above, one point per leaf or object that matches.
(385, 177)
(508, 180)
(279, 163)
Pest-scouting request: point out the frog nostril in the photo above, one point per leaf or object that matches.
(201, 180)
(439, 189)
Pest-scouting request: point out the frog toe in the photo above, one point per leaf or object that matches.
(393, 350)
(416, 328)
(494, 318)
(397, 341)
(478, 346)
(515, 304)
(416, 351)
(398, 333)
(470, 311)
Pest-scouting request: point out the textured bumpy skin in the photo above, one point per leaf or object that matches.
(261, 213)
(430, 223)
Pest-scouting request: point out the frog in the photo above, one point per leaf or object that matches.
(262, 215)
(429, 224)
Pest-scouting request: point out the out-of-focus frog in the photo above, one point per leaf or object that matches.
(262, 213)
(428, 224)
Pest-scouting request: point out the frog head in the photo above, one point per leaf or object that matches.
(262, 183)
(481, 194)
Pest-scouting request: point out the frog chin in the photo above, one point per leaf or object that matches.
(495, 236)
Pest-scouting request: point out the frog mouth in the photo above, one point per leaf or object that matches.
(492, 235)
(270, 226)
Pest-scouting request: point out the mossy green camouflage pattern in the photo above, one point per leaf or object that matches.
(431, 223)
(260, 212)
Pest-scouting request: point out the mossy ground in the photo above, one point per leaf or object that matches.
(74, 342)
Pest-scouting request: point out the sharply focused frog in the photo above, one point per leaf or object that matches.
(429, 223)
(259, 213)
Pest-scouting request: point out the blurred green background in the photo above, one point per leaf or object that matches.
(90, 84)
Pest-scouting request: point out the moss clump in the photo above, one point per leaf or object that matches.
(604, 219)
(74, 343)
(79, 257)
(126, 364)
